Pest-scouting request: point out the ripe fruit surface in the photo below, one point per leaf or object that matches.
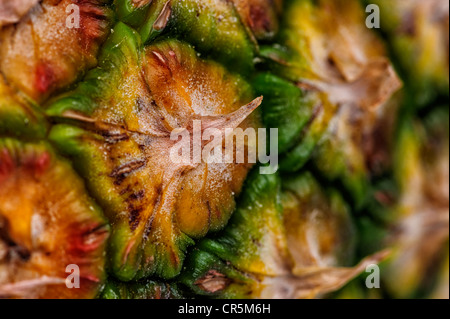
(47, 222)
(120, 140)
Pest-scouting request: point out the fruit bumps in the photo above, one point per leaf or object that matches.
(43, 53)
(121, 118)
(95, 95)
(47, 222)
(295, 242)
(49, 225)
(346, 85)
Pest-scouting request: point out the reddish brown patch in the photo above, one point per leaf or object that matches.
(91, 278)
(258, 19)
(6, 164)
(88, 239)
(384, 198)
(158, 292)
(94, 25)
(161, 59)
(41, 164)
(53, 2)
(135, 217)
(377, 145)
(213, 281)
(45, 77)
(137, 195)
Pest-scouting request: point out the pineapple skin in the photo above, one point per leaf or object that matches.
(353, 169)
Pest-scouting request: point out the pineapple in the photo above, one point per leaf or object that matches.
(88, 108)
(417, 219)
(40, 56)
(293, 243)
(155, 205)
(418, 32)
(343, 73)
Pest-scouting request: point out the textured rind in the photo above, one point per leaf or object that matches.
(418, 36)
(258, 256)
(319, 226)
(255, 231)
(18, 116)
(212, 26)
(421, 210)
(233, 264)
(341, 66)
(13, 11)
(146, 289)
(286, 107)
(348, 142)
(41, 238)
(44, 52)
(119, 141)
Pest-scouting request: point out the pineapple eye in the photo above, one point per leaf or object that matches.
(117, 126)
(40, 238)
(260, 17)
(318, 224)
(421, 156)
(344, 75)
(418, 36)
(295, 247)
(41, 54)
(130, 132)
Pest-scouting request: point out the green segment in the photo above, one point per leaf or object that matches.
(246, 249)
(212, 26)
(119, 60)
(147, 289)
(420, 198)
(116, 82)
(416, 35)
(207, 275)
(317, 218)
(256, 224)
(132, 12)
(317, 58)
(273, 234)
(293, 56)
(18, 116)
(285, 107)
